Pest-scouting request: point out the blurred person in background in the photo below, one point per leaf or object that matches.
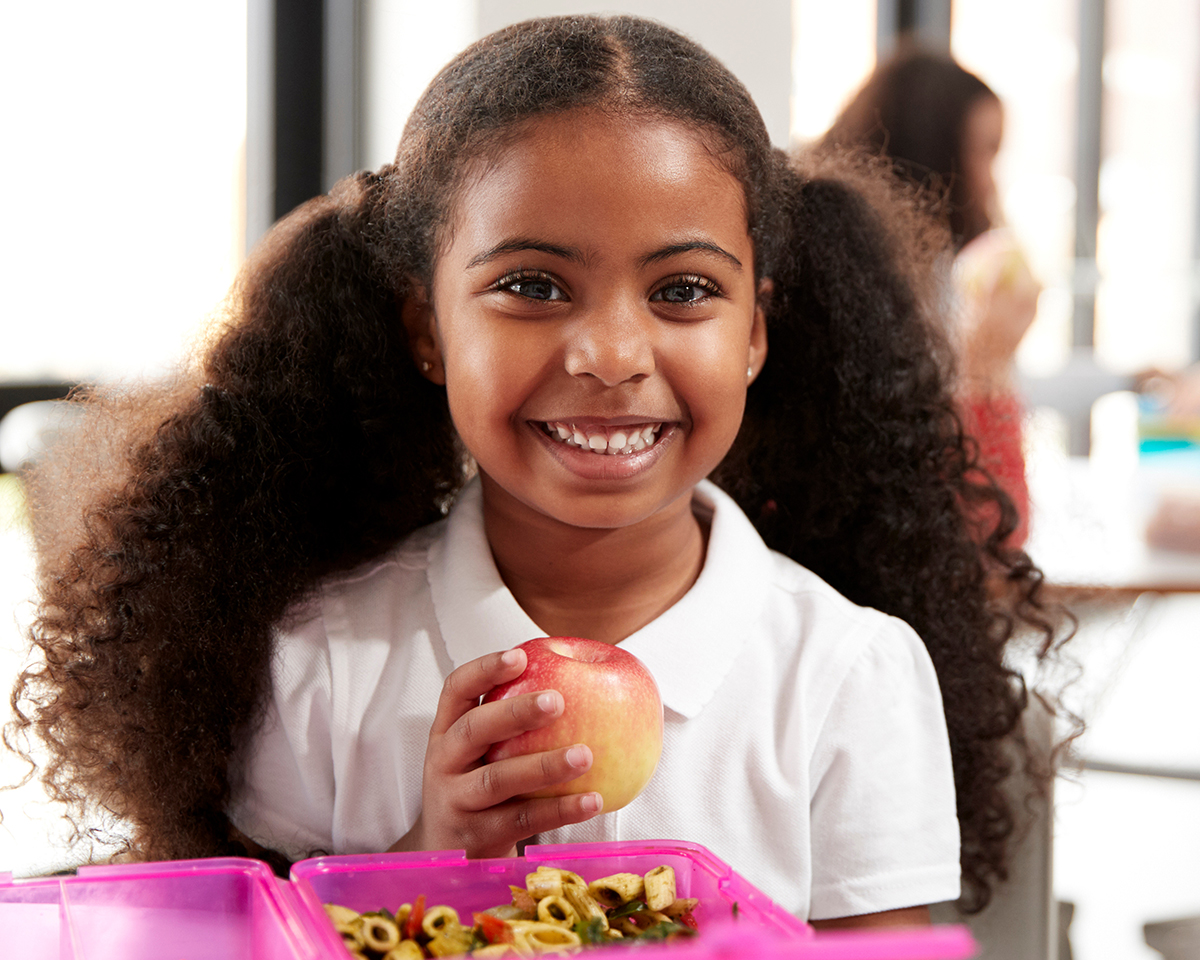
(941, 127)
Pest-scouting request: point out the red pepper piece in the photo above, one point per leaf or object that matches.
(413, 926)
(494, 929)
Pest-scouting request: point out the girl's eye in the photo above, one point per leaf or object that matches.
(532, 287)
(685, 290)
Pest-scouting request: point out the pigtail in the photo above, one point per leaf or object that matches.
(853, 461)
(306, 443)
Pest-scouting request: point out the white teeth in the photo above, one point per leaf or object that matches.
(625, 440)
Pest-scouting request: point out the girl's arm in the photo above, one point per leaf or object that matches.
(905, 917)
(470, 805)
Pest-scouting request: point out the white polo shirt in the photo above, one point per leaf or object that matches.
(804, 742)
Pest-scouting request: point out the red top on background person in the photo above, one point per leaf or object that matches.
(942, 127)
(592, 359)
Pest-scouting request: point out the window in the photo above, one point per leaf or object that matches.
(123, 171)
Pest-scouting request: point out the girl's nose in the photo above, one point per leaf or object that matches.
(612, 344)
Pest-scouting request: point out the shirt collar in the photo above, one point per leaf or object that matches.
(689, 649)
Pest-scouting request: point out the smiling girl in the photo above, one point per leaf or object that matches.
(482, 395)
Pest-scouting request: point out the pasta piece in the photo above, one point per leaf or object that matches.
(585, 904)
(351, 934)
(339, 914)
(405, 950)
(380, 933)
(681, 906)
(617, 889)
(440, 920)
(544, 882)
(451, 941)
(660, 887)
(558, 911)
(493, 950)
(509, 911)
(544, 937)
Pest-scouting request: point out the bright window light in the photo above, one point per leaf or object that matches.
(125, 129)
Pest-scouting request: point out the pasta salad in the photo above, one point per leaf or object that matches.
(557, 911)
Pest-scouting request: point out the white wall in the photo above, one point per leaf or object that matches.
(407, 41)
(752, 38)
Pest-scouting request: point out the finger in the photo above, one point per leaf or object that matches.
(524, 818)
(498, 782)
(472, 680)
(494, 832)
(475, 731)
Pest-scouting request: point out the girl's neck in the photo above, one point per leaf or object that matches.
(599, 584)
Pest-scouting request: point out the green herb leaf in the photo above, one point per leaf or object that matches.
(628, 909)
(665, 929)
(591, 931)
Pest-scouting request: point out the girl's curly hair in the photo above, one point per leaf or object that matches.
(306, 442)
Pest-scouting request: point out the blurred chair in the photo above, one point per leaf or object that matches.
(1022, 920)
(1175, 939)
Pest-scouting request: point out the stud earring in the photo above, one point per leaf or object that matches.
(749, 373)
(426, 366)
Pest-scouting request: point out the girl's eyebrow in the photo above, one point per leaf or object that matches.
(686, 247)
(525, 243)
(576, 256)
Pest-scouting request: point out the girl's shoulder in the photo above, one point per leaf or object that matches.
(835, 633)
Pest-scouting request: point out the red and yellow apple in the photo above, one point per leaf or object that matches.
(611, 703)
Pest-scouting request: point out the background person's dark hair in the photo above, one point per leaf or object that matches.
(913, 109)
(306, 441)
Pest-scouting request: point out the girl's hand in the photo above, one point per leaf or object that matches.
(473, 806)
(1001, 303)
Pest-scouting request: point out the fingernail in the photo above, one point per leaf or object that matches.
(510, 658)
(547, 702)
(591, 803)
(578, 756)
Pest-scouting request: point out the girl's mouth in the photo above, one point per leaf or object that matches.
(625, 439)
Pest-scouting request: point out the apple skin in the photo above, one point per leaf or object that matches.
(611, 703)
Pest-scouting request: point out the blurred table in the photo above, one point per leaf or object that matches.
(1088, 522)
(1087, 534)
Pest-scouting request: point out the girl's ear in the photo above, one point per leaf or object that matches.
(416, 313)
(758, 331)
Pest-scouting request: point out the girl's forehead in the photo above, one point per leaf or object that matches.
(566, 151)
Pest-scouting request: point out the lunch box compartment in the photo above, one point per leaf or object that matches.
(221, 909)
(736, 920)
